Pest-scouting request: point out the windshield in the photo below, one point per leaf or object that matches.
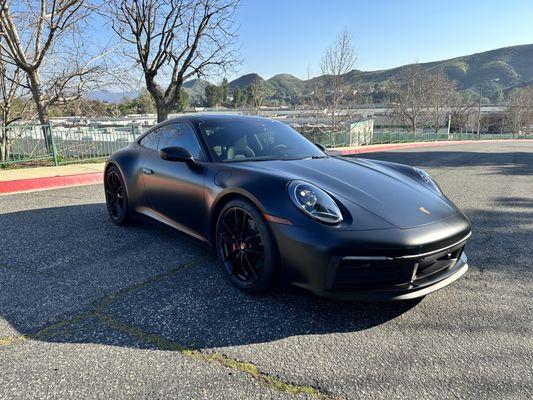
(256, 139)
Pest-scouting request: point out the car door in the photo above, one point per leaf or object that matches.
(175, 190)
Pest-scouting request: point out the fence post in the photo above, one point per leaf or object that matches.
(54, 152)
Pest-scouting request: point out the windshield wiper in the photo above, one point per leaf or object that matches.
(317, 157)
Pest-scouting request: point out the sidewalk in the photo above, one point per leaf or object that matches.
(42, 178)
(42, 172)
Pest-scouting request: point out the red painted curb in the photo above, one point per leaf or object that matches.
(386, 147)
(50, 182)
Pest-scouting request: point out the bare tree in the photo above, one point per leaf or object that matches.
(462, 110)
(519, 113)
(255, 96)
(43, 39)
(174, 40)
(333, 88)
(12, 103)
(441, 92)
(411, 95)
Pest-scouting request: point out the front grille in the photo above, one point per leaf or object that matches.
(352, 273)
(434, 265)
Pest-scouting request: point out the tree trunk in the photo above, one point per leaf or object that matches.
(3, 137)
(3, 146)
(162, 112)
(41, 106)
(161, 104)
(333, 126)
(437, 118)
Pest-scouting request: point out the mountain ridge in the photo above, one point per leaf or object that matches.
(513, 65)
(500, 69)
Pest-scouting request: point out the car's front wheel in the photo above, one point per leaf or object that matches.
(116, 196)
(245, 246)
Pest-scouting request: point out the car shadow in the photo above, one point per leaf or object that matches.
(64, 268)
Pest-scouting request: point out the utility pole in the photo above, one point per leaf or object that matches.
(479, 112)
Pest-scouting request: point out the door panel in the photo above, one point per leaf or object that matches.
(175, 190)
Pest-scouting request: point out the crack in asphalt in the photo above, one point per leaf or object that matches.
(52, 330)
(161, 343)
(214, 357)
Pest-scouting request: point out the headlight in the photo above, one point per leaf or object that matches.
(428, 180)
(314, 202)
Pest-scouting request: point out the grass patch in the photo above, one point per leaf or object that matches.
(162, 343)
(7, 341)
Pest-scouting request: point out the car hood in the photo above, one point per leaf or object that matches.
(384, 191)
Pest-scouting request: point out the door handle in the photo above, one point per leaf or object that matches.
(147, 171)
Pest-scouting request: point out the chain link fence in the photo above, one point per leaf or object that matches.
(48, 145)
(30, 145)
(345, 139)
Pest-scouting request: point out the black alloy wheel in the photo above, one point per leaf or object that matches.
(116, 197)
(244, 246)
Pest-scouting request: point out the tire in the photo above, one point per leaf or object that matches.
(116, 197)
(242, 233)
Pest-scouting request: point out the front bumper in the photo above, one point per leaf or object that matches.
(407, 291)
(374, 265)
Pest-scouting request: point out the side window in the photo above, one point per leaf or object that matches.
(182, 135)
(151, 140)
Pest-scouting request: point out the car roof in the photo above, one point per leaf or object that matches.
(197, 118)
(213, 117)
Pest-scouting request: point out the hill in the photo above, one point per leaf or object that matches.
(288, 87)
(508, 66)
(502, 68)
(196, 89)
(287, 83)
(246, 80)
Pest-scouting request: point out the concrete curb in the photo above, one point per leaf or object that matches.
(50, 182)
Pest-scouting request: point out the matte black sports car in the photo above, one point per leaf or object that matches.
(277, 207)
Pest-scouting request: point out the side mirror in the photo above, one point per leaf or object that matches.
(177, 153)
(321, 147)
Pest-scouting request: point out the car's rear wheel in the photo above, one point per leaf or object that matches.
(116, 196)
(245, 246)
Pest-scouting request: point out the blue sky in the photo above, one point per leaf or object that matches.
(289, 36)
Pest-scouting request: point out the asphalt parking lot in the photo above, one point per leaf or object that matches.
(91, 310)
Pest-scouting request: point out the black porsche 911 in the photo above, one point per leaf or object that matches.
(277, 207)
